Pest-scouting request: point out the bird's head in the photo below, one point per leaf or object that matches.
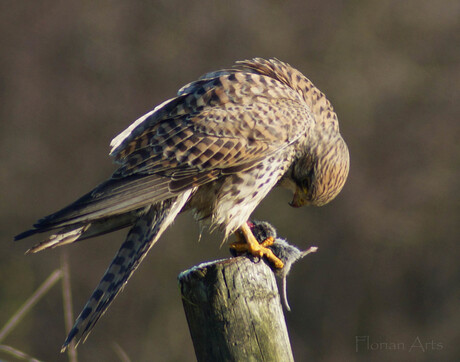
(319, 175)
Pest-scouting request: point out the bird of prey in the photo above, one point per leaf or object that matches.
(216, 149)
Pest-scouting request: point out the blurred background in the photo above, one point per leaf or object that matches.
(384, 284)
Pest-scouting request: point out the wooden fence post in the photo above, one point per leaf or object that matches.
(234, 312)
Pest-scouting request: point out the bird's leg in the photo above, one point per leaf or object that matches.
(247, 242)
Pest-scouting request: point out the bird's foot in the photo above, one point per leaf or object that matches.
(241, 246)
(251, 245)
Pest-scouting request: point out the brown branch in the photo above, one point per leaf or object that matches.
(30, 302)
(67, 302)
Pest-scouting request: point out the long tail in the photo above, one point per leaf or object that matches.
(142, 236)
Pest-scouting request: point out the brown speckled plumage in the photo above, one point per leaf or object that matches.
(217, 149)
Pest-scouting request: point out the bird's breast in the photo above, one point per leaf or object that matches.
(228, 202)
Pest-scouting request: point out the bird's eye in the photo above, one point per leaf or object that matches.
(307, 181)
(306, 184)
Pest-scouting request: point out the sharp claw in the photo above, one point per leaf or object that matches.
(254, 248)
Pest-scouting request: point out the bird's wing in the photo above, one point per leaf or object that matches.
(223, 123)
(111, 198)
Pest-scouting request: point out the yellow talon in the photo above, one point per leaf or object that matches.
(252, 246)
(268, 242)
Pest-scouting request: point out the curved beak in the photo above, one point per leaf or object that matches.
(298, 200)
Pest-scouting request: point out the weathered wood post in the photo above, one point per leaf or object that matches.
(234, 312)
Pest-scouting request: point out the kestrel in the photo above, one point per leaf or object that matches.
(216, 149)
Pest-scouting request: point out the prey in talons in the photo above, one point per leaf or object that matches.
(287, 254)
(247, 242)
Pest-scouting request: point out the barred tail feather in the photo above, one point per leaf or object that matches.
(142, 236)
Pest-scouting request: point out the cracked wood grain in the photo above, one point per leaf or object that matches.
(234, 312)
